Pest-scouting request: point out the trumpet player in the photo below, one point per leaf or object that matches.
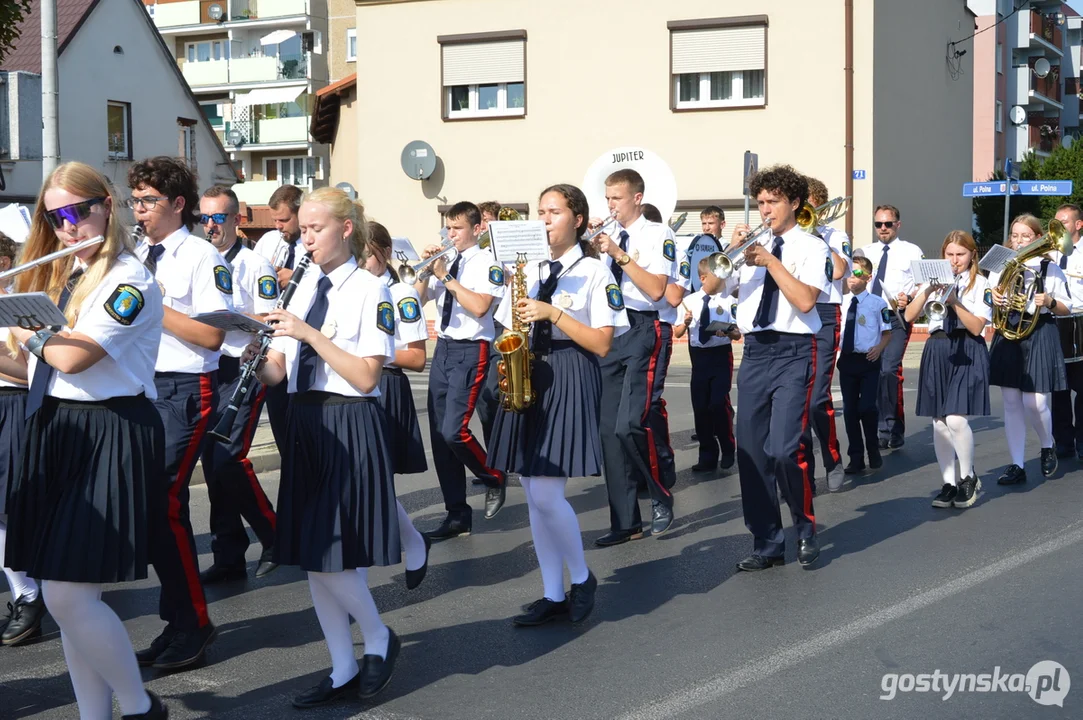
(953, 383)
(1068, 431)
(232, 486)
(1028, 370)
(464, 294)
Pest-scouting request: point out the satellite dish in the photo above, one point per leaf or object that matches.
(235, 137)
(215, 12)
(418, 160)
(660, 187)
(348, 189)
(1041, 67)
(1017, 115)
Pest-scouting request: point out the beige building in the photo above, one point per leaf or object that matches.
(513, 97)
(341, 38)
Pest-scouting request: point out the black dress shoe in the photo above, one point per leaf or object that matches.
(158, 710)
(325, 692)
(451, 527)
(1049, 461)
(661, 518)
(414, 577)
(876, 461)
(146, 657)
(581, 598)
(267, 565)
(618, 537)
(808, 551)
(25, 623)
(728, 460)
(705, 465)
(1013, 475)
(376, 671)
(6, 618)
(477, 481)
(853, 468)
(882, 443)
(896, 442)
(1065, 451)
(187, 649)
(494, 500)
(754, 562)
(217, 573)
(542, 611)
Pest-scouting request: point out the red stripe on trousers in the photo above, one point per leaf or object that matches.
(262, 502)
(832, 435)
(802, 462)
(652, 369)
(469, 441)
(188, 562)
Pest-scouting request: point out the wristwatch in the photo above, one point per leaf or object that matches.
(624, 259)
(446, 279)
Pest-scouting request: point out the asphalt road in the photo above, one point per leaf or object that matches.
(901, 590)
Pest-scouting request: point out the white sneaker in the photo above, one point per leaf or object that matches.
(835, 478)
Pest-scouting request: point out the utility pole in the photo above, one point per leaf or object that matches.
(50, 91)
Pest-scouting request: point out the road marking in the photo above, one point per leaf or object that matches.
(714, 689)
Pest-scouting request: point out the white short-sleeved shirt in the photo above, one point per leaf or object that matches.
(4, 333)
(360, 311)
(873, 319)
(410, 325)
(667, 313)
(194, 279)
(478, 272)
(898, 277)
(838, 241)
(1056, 284)
(650, 245)
(804, 256)
(123, 315)
(585, 290)
(719, 306)
(1073, 265)
(255, 292)
(973, 300)
(272, 246)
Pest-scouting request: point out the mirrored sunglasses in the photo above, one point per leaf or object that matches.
(219, 218)
(74, 213)
(859, 273)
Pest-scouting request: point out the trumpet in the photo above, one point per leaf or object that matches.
(724, 264)
(420, 272)
(936, 308)
(601, 228)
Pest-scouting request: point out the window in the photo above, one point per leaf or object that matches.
(484, 75)
(207, 51)
(299, 170)
(1000, 59)
(1000, 116)
(119, 124)
(719, 63)
(351, 45)
(213, 113)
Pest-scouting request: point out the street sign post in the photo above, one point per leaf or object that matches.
(750, 167)
(1017, 187)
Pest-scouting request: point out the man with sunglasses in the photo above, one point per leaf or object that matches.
(232, 485)
(194, 279)
(893, 281)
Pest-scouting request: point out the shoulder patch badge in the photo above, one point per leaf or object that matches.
(669, 249)
(829, 268)
(496, 275)
(268, 287)
(988, 297)
(124, 304)
(223, 280)
(733, 311)
(408, 310)
(886, 314)
(614, 296)
(686, 269)
(385, 317)
(847, 250)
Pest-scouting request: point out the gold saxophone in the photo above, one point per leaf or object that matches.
(1020, 284)
(514, 347)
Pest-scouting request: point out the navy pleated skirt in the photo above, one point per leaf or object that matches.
(88, 478)
(12, 432)
(1034, 364)
(403, 431)
(557, 436)
(954, 376)
(336, 499)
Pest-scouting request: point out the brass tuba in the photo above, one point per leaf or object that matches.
(516, 393)
(505, 213)
(1020, 289)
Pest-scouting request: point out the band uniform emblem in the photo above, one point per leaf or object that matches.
(268, 287)
(408, 310)
(686, 269)
(614, 296)
(223, 280)
(829, 268)
(385, 317)
(885, 314)
(733, 311)
(124, 304)
(988, 297)
(669, 249)
(861, 320)
(496, 275)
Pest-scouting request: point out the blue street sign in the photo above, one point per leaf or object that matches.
(859, 174)
(1023, 187)
(982, 189)
(1011, 169)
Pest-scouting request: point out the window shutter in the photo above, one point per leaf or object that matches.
(719, 49)
(483, 63)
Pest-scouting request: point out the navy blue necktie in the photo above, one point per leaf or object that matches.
(306, 366)
(1063, 262)
(881, 270)
(618, 271)
(154, 254)
(291, 254)
(765, 314)
(704, 321)
(44, 372)
(445, 312)
(851, 327)
(543, 329)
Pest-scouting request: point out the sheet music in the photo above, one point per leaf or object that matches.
(932, 271)
(995, 260)
(229, 320)
(512, 237)
(32, 311)
(15, 222)
(403, 251)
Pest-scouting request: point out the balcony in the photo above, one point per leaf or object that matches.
(202, 75)
(1031, 90)
(175, 14)
(256, 192)
(266, 9)
(1044, 138)
(189, 14)
(213, 72)
(1043, 28)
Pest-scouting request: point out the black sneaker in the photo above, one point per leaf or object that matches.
(947, 494)
(581, 598)
(146, 657)
(25, 623)
(1012, 476)
(542, 611)
(968, 492)
(187, 649)
(1049, 461)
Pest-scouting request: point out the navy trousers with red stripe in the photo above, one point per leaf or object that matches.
(456, 377)
(823, 409)
(774, 442)
(633, 375)
(186, 402)
(232, 485)
(712, 412)
(892, 413)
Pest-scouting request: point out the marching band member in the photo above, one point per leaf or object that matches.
(87, 488)
(336, 500)
(893, 281)
(193, 279)
(1068, 432)
(712, 221)
(464, 295)
(954, 377)
(643, 260)
(396, 397)
(232, 486)
(780, 283)
(1028, 370)
(576, 308)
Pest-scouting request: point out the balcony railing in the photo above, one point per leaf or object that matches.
(270, 131)
(1044, 138)
(192, 12)
(246, 70)
(1045, 28)
(265, 9)
(1072, 86)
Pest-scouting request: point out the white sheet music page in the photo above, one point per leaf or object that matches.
(31, 311)
(995, 260)
(514, 237)
(230, 320)
(931, 271)
(403, 251)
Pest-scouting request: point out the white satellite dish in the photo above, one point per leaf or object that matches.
(1041, 67)
(660, 187)
(1018, 115)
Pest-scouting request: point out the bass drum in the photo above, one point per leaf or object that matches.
(660, 187)
(699, 247)
(1071, 336)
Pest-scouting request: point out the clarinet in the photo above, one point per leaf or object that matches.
(247, 383)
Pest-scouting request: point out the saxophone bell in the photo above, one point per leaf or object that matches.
(516, 391)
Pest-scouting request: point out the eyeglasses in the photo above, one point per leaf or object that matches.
(74, 213)
(884, 223)
(859, 273)
(146, 202)
(219, 218)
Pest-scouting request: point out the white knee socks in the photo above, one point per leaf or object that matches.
(1040, 417)
(953, 439)
(337, 596)
(945, 450)
(21, 585)
(1015, 424)
(554, 521)
(413, 545)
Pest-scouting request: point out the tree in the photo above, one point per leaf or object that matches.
(12, 13)
(989, 210)
(1063, 164)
